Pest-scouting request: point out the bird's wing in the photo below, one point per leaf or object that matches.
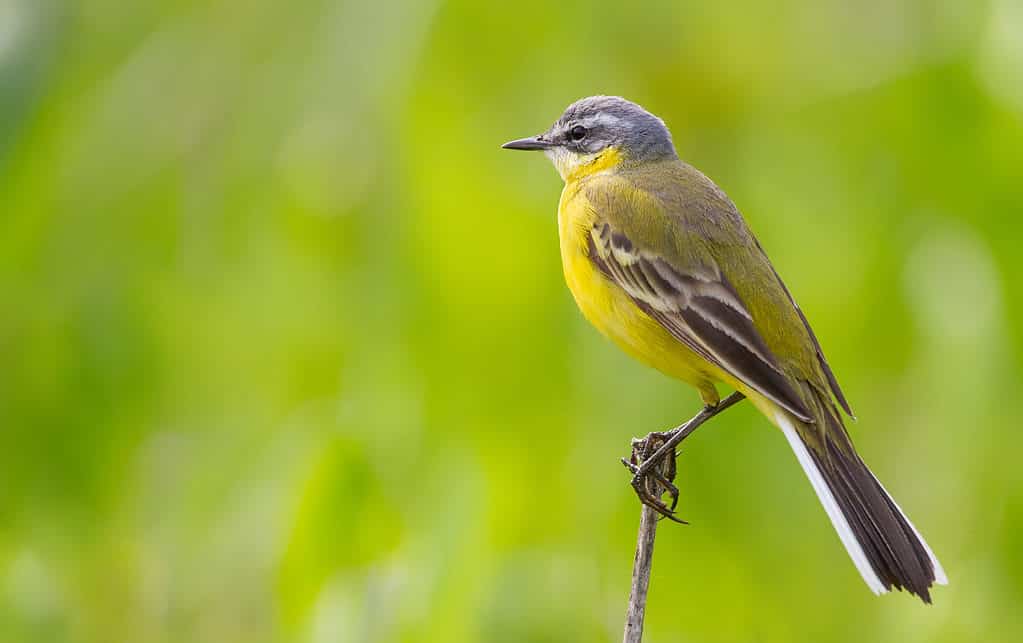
(836, 390)
(677, 271)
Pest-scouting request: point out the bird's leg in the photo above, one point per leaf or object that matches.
(653, 471)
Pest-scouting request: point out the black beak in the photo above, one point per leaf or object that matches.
(531, 143)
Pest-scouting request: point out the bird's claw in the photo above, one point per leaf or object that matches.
(652, 479)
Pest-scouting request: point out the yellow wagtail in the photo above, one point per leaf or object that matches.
(659, 259)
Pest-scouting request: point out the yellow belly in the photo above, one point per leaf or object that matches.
(613, 312)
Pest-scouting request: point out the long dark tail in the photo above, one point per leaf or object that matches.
(885, 546)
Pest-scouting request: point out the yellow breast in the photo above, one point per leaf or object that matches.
(610, 308)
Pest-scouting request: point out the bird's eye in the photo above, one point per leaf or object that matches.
(578, 133)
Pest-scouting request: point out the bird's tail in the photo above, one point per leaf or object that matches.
(886, 548)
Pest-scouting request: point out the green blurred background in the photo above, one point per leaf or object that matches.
(287, 355)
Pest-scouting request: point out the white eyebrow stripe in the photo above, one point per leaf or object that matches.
(603, 118)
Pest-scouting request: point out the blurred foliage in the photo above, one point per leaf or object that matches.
(287, 355)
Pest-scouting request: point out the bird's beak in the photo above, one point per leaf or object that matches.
(530, 143)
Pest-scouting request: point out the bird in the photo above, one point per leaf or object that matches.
(659, 259)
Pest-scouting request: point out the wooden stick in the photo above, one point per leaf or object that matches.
(655, 454)
(641, 575)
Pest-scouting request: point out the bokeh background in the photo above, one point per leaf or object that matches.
(287, 356)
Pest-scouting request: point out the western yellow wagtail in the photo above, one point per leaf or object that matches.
(659, 259)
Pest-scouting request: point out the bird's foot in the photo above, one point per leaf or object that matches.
(651, 478)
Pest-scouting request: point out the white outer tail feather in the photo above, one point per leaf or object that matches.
(852, 545)
(830, 505)
(939, 572)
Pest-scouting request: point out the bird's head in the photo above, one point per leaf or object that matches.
(598, 133)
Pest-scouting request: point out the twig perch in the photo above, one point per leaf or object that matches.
(652, 463)
(641, 575)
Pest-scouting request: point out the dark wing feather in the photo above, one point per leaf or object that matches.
(828, 373)
(702, 310)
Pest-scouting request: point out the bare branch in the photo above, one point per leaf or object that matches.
(641, 575)
(653, 466)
